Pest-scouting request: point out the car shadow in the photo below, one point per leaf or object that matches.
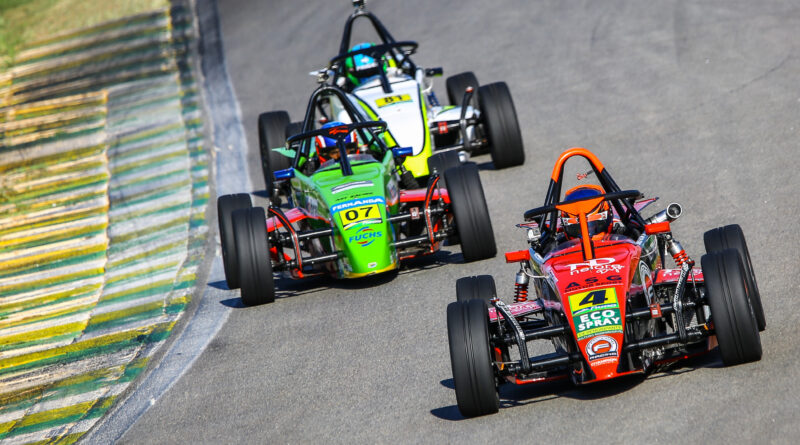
(510, 396)
(521, 395)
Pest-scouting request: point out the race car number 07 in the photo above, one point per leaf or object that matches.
(358, 214)
(388, 100)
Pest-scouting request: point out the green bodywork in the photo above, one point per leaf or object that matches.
(357, 206)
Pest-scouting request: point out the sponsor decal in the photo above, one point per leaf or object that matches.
(600, 347)
(350, 186)
(593, 281)
(338, 130)
(365, 236)
(595, 312)
(596, 265)
(372, 265)
(391, 100)
(356, 203)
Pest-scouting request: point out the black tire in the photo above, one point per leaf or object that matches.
(441, 162)
(471, 215)
(226, 205)
(293, 129)
(457, 85)
(732, 237)
(471, 359)
(272, 134)
(252, 249)
(502, 128)
(731, 312)
(481, 287)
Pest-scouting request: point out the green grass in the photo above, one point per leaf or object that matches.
(23, 22)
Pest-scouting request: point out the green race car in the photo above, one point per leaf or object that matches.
(348, 214)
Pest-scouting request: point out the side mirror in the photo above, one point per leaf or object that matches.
(282, 175)
(434, 72)
(402, 152)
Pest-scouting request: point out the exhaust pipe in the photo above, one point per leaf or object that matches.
(671, 213)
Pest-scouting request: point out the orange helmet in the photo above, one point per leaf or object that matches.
(599, 219)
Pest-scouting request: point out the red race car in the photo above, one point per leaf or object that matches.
(603, 295)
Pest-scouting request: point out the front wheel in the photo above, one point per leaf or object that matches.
(470, 358)
(252, 248)
(500, 122)
(473, 225)
(731, 311)
(732, 237)
(226, 205)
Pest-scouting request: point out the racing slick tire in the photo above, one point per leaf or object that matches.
(226, 205)
(252, 249)
(731, 311)
(502, 128)
(481, 287)
(272, 134)
(732, 237)
(293, 129)
(441, 162)
(470, 358)
(473, 225)
(457, 85)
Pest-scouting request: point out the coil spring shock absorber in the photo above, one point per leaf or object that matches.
(521, 286)
(679, 254)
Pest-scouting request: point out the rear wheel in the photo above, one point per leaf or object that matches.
(293, 129)
(457, 86)
(252, 248)
(272, 134)
(501, 125)
(441, 162)
(473, 225)
(480, 287)
(226, 205)
(470, 358)
(731, 312)
(732, 237)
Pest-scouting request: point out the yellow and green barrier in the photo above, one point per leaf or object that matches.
(103, 193)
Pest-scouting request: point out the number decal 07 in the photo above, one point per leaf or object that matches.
(356, 215)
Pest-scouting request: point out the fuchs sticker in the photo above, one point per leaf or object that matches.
(391, 100)
(600, 347)
(595, 312)
(350, 186)
(365, 236)
(596, 265)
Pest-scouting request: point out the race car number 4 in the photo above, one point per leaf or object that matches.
(359, 214)
(389, 100)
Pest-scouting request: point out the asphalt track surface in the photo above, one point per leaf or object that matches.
(694, 102)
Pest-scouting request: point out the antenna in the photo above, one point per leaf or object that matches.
(360, 4)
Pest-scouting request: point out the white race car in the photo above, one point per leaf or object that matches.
(389, 86)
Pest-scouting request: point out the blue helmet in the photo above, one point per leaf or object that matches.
(362, 66)
(326, 147)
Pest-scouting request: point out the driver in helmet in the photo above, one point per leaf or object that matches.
(362, 68)
(599, 220)
(326, 147)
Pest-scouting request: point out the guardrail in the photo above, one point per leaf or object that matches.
(103, 191)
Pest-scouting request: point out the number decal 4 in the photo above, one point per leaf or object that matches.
(592, 300)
